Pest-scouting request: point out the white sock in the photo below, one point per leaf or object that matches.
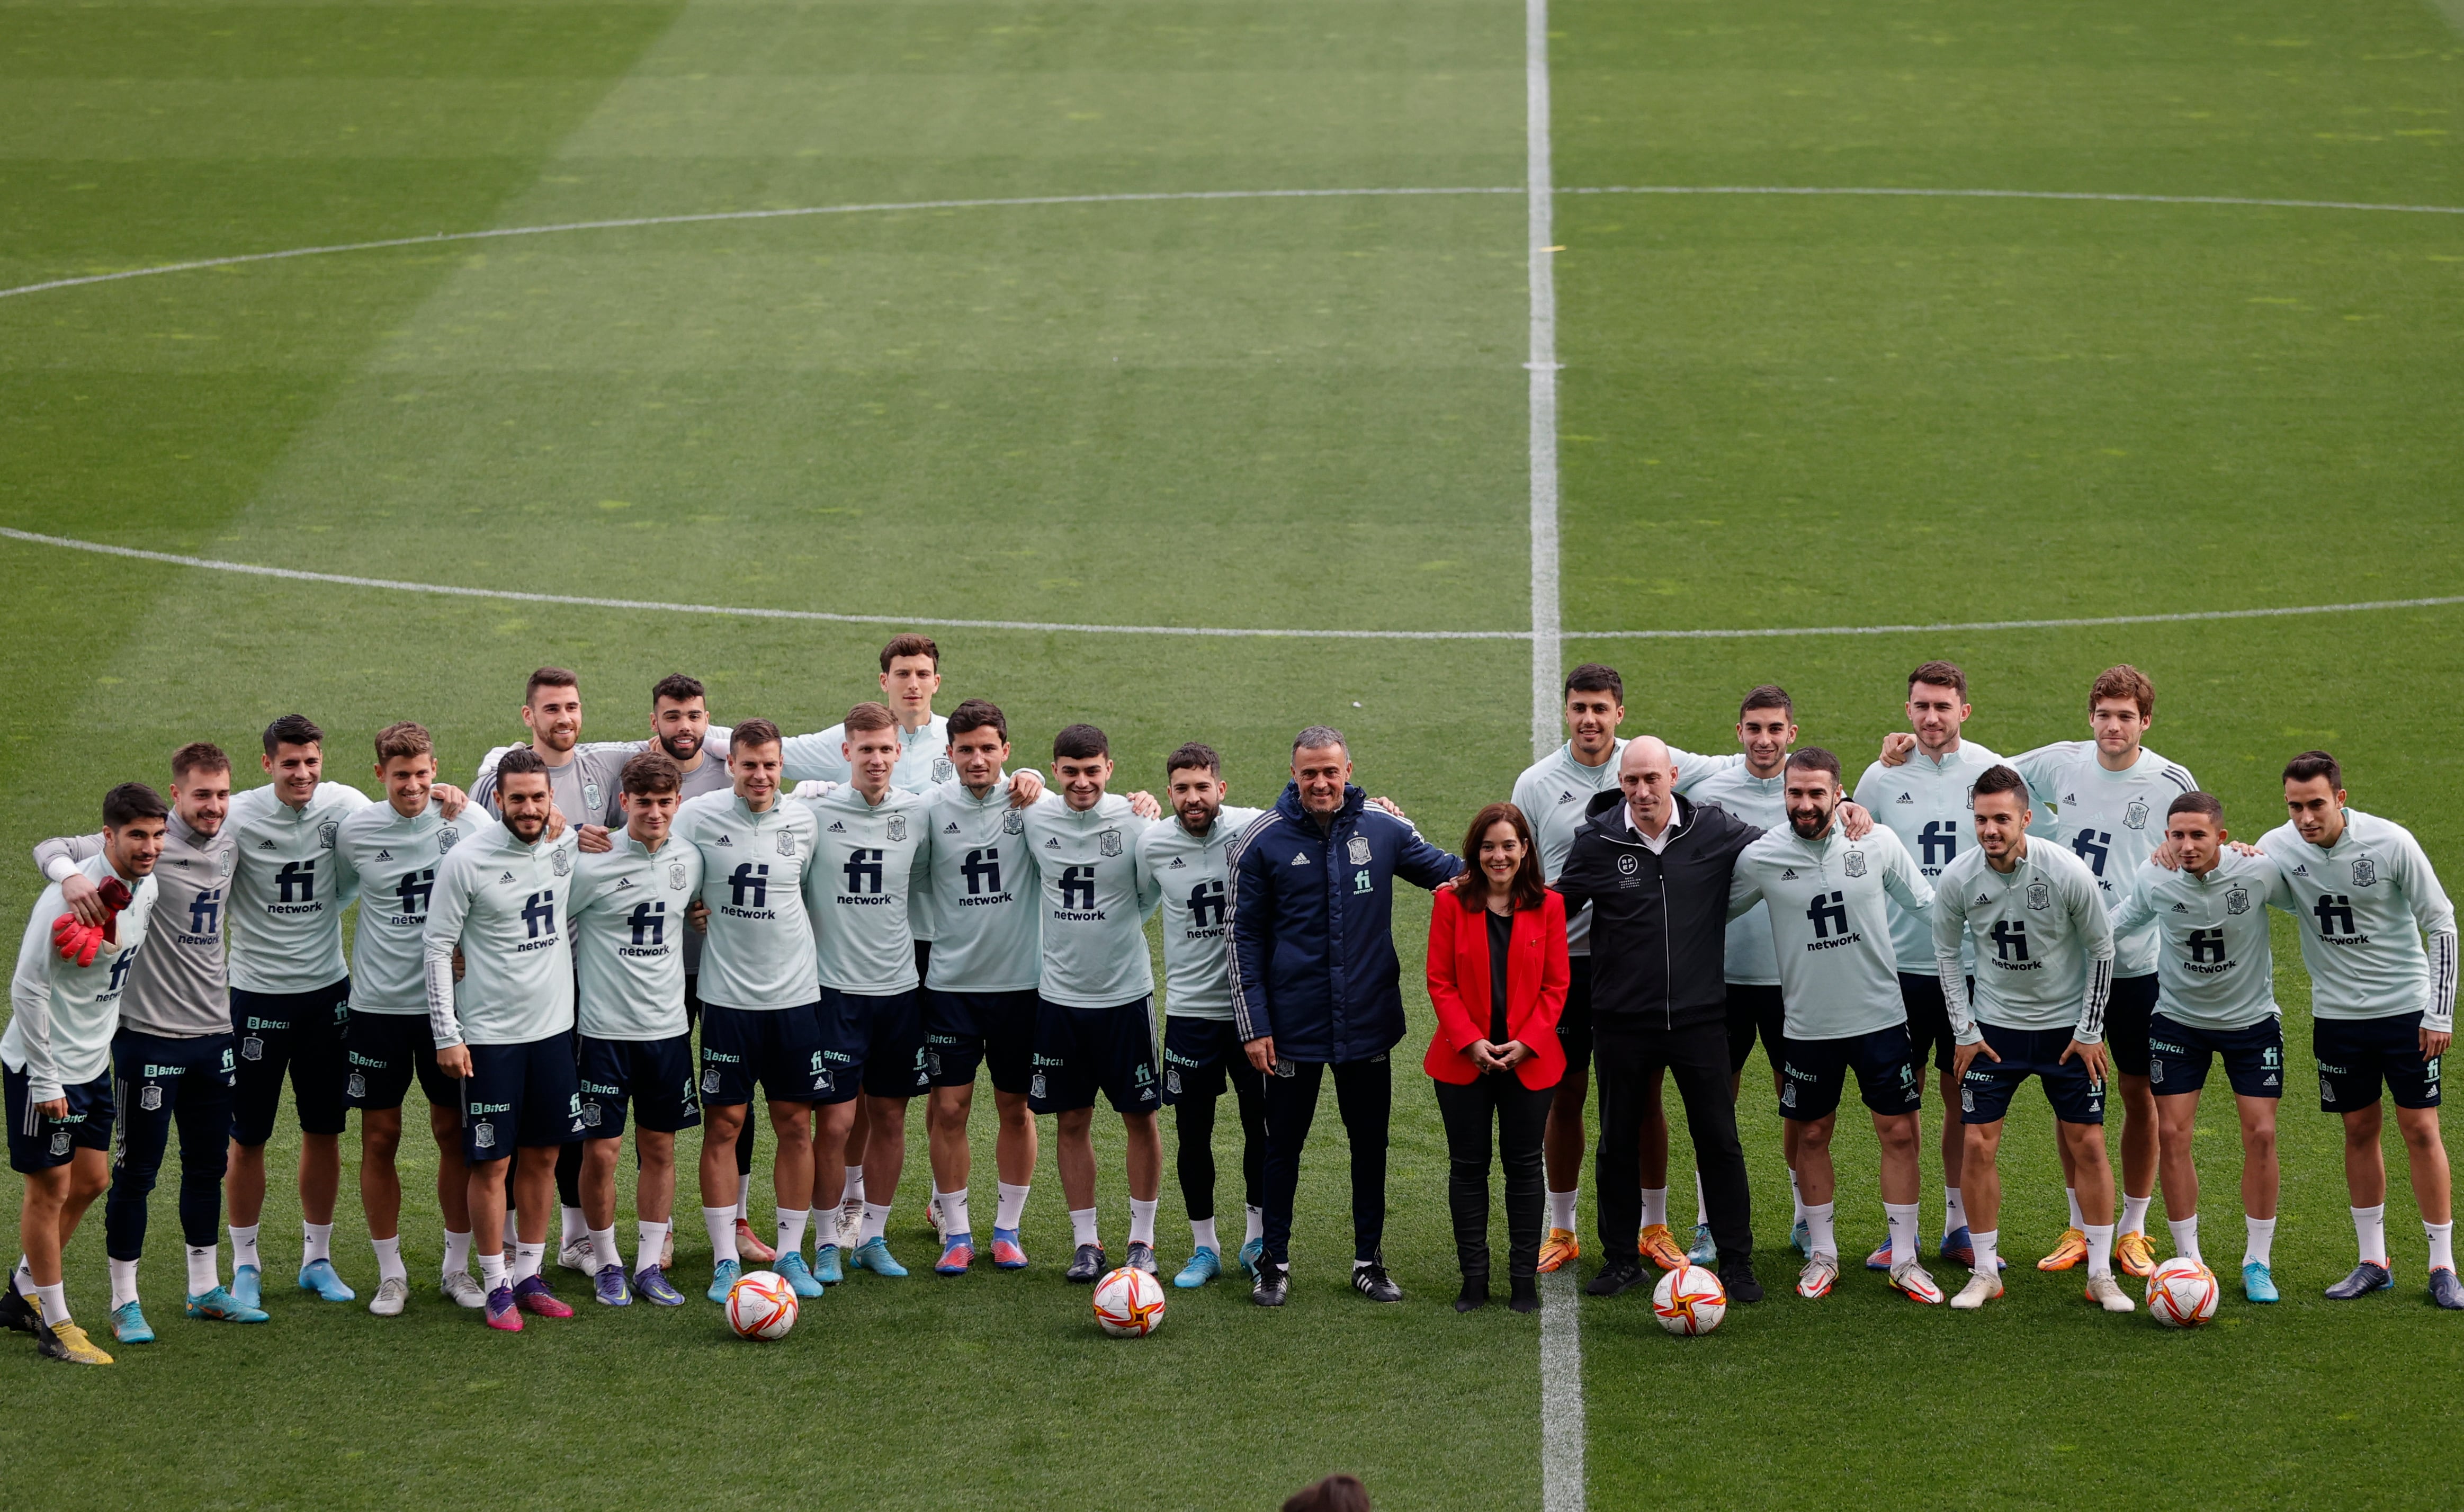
(1901, 1217)
(824, 1224)
(651, 1241)
(1201, 1235)
(244, 1246)
(2079, 1219)
(740, 1213)
(1081, 1226)
(603, 1249)
(1655, 1206)
(1561, 1211)
(389, 1260)
(1253, 1225)
(1820, 1239)
(2370, 1231)
(576, 1226)
(123, 1283)
(1988, 1250)
(54, 1299)
(2134, 1213)
(319, 1245)
(721, 1224)
(1954, 1212)
(956, 1219)
(1796, 1200)
(791, 1231)
(1142, 1221)
(526, 1260)
(1010, 1207)
(457, 1254)
(876, 1221)
(2099, 1248)
(1702, 1203)
(205, 1272)
(2186, 1238)
(853, 1195)
(492, 1270)
(2442, 1243)
(2261, 1240)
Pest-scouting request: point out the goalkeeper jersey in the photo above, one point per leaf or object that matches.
(2113, 820)
(62, 1015)
(285, 918)
(2039, 937)
(2362, 907)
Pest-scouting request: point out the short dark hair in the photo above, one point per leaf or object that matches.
(1942, 675)
(1814, 759)
(868, 717)
(910, 645)
(753, 733)
(1317, 737)
(1079, 743)
(2311, 765)
(978, 714)
(2124, 681)
(1593, 678)
(677, 689)
(549, 677)
(518, 760)
(1769, 695)
(129, 802)
(198, 756)
(293, 730)
(651, 772)
(402, 740)
(1196, 756)
(2001, 779)
(2197, 803)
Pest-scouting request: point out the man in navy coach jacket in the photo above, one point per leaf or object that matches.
(1316, 984)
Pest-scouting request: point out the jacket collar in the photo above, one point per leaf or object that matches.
(1289, 804)
(1605, 814)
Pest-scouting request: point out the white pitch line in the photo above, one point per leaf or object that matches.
(747, 612)
(631, 222)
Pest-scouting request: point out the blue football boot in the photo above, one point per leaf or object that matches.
(799, 1276)
(722, 1280)
(1203, 1267)
(128, 1324)
(2256, 1285)
(318, 1275)
(873, 1255)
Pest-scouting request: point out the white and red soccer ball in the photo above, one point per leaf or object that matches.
(1129, 1303)
(761, 1306)
(2182, 1294)
(1689, 1300)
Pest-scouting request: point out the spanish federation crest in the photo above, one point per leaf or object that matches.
(1036, 1087)
(2040, 895)
(60, 1142)
(1108, 842)
(591, 1115)
(942, 770)
(2135, 817)
(561, 861)
(447, 837)
(2237, 901)
(2365, 872)
(1172, 1080)
(1013, 823)
(1357, 852)
(150, 1096)
(358, 1086)
(676, 875)
(898, 829)
(251, 1048)
(786, 843)
(484, 1135)
(326, 831)
(590, 798)
(710, 1082)
(1854, 864)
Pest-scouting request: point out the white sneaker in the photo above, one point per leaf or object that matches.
(577, 1255)
(461, 1288)
(391, 1294)
(2107, 1293)
(1910, 1277)
(851, 1226)
(1814, 1281)
(1982, 1288)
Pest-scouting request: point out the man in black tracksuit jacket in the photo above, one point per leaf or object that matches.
(1653, 869)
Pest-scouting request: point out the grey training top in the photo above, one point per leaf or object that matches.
(176, 986)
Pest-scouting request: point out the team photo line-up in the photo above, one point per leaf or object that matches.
(538, 952)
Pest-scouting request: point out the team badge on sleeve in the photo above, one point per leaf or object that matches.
(2365, 872)
(2040, 895)
(1109, 843)
(898, 829)
(2237, 901)
(325, 833)
(1854, 864)
(1357, 852)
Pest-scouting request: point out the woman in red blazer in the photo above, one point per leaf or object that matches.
(1497, 977)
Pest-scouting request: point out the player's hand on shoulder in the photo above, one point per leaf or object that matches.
(555, 820)
(1143, 804)
(595, 839)
(84, 899)
(1897, 747)
(2167, 855)
(1855, 821)
(455, 799)
(2243, 848)
(1390, 806)
(1026, 786)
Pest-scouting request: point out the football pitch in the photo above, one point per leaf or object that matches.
(1100, 322)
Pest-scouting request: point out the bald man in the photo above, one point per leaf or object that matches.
(1655, 867)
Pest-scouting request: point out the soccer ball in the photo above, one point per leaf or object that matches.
(1689, 1300)
(761, 1306)
(1129, 1303)
(2182, 1294)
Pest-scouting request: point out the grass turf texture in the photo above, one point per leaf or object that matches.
(1776, 412)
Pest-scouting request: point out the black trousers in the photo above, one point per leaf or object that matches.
(1521, 1115)
(1364, 1095)
(1193, 1126)
(1626, 1064)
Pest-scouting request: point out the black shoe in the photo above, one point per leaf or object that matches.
(1475, 1294)
(1141, 1256)
(1371, 1280)
(1737, 1278)
(16, 1312)
(1615, 1277)
(1087, 1267)
(1273, 1281)
(1527, 1294)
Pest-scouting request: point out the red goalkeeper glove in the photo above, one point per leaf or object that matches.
(78, 944)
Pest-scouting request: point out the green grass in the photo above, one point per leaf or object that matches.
(1776, 412)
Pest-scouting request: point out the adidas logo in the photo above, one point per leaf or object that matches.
(1907, 798)
(2301, 870)
(1176, 865)
(265, 844)
(1981, 898)
(622, 882)
(1565, 798)
(1300, 858)
(2070, 797)
(2181, 908)
(723, 841)
(1054, 844)
(507, 877)
(1788, 874)
(950, 829)
(384, 855)
(837, 828)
